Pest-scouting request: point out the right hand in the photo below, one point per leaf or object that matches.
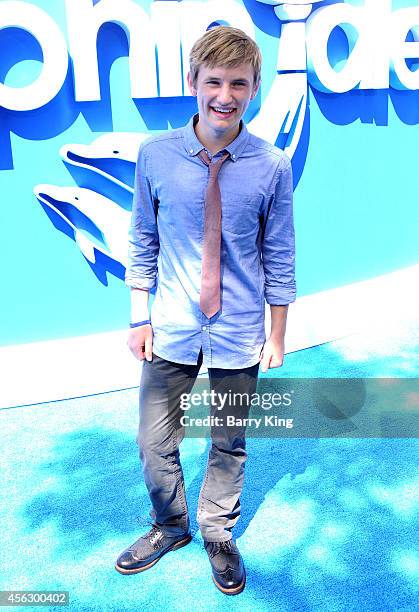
(140, 342)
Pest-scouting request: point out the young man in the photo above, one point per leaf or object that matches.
(212, 220)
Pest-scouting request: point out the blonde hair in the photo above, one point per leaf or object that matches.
(225, 46)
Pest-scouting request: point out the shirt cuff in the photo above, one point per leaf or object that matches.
(140, 283)
(280, 296)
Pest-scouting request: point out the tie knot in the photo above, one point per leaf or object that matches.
(214, 166)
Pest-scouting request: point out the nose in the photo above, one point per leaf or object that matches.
(224, 94)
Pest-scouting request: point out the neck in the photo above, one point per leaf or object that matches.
(214, 142)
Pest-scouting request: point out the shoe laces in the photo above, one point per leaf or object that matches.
(154, 536)
(217, 547)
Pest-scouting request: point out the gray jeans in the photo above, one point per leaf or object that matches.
(160, 433)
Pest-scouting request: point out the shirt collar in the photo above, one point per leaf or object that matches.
(194, 146)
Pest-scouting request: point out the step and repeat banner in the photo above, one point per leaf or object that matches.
(83, 82)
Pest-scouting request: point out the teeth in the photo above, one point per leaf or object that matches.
(222, 110)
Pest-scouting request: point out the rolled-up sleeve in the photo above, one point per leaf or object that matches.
(278, 246)
(143, 243)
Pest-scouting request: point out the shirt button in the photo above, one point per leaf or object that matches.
(204, 328)
(191, 151)
(233, 156)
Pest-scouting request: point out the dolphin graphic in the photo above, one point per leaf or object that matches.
(95, 222)
(286, 103)
(112, 155)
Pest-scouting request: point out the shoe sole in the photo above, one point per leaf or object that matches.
(137, 570)
(234, 591)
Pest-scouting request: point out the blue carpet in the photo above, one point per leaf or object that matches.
(326, 525)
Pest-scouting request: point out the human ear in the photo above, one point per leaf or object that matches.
(192, 89)
(255, 90)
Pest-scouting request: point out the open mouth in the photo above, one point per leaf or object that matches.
(224, 113)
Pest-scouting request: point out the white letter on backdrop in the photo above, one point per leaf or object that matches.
(84, 20)
(41, 26)
(404, 20)
(319, 27)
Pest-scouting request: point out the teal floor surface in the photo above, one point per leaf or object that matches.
(326, 524)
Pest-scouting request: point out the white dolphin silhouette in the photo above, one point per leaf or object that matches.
(105, 151)
(98, 222)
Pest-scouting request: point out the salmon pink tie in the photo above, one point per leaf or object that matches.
(210, 302)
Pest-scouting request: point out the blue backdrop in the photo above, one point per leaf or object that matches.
(356, 207)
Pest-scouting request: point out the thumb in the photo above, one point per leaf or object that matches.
(149, 348)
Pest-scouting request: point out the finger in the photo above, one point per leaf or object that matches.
(136, 349)
(139, 352)
(276, 363)
(265, 362)
(149, 348)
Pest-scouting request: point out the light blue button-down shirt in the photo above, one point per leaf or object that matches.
(257, 247)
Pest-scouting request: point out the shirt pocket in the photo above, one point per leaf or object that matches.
(240, 213)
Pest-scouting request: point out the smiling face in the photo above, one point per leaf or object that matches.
(223, 95)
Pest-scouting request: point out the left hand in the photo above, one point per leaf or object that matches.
(272, 355)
